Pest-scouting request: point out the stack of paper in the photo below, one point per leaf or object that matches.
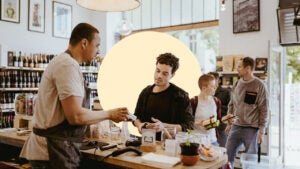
(159, 159)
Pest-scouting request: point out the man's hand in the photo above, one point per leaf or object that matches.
(142, 125)
(227, 130)
(199, 123)
(118, 114)
(157, 125)
(260, 138)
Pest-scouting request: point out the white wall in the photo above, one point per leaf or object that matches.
(15, 36)
(254, 44)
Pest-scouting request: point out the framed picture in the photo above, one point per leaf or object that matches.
(261, 64)
(36, 15)
(10, 10)
(62, 20)
(246, 16)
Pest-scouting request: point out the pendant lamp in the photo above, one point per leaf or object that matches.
(109, 5)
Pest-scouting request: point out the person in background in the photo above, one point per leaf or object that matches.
(224, 95)
(249, 104)
(206, 105)
(163, 104)
(60, 120)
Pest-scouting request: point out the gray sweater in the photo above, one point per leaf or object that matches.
(249, 103)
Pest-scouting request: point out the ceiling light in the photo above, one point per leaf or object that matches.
(125, 28)
(109, 5)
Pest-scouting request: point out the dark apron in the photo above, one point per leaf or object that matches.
(64, 140)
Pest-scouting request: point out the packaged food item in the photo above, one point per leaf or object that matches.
(29, 104)
(20, 103)
(210, 123)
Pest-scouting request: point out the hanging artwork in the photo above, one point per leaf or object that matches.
(62, 20)
(36, 15)
(10, 10)
(246, 16)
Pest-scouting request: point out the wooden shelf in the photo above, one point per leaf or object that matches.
(22, 68)
(19, 89)
(235, 72)
(89, 71)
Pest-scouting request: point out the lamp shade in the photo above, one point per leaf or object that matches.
(109, 5)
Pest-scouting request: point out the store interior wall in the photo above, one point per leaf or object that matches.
(254, 44)
(16, 37)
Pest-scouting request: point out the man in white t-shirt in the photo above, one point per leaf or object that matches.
(60, 120)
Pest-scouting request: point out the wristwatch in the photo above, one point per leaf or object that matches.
(144, 125)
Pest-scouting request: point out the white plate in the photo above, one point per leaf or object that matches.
(215, 154)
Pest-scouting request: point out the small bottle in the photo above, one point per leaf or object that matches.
(2, 80)
(45, 61)
(25, 61)
(36, 63)
(29, 80)
(15, 59)
(30, 61)
(12, 80)
(24, 84)
(20, 79)
(7, 79)
(2, 101)
(20, 61)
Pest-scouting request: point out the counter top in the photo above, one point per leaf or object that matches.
(128, 159)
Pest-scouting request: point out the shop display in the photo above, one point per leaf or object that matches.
(20, 80)
(228, 72)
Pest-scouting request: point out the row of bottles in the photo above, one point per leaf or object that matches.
(90, 77)
(20, 79)
(7, 100)
(31, 61)
(21, 103)
(93, 97)
(94, 65)
(7, 119)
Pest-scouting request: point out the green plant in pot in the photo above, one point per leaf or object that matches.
(189, 151)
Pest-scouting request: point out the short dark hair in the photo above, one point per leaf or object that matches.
(168, 59)
(215, 74)
(82, 31)
(248, 61)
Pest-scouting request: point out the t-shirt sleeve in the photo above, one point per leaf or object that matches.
(69, 81)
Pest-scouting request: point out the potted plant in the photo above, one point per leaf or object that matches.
(189, 151)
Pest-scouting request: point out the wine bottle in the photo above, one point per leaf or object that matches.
(25, 61)
(2, 79)
(28, 80)
(30, 61)
(7, 79)
(20, 80)
(12, 80)
(20, 61)
(15, 59)
(2, 101)
(24, 80)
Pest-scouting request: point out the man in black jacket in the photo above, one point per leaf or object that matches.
(163, 104)
(224, 95)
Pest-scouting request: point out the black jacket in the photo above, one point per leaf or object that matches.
(180, 112)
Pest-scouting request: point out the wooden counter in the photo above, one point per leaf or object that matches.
(129, 159)
(10, 137)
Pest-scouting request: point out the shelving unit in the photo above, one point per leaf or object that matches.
(30, 77)
(229, 78)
